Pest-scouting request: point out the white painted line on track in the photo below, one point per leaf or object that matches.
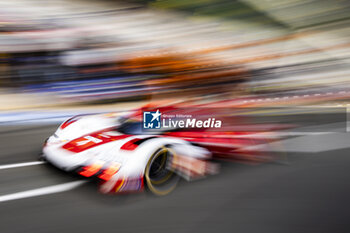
(42, 191)
(14, 165)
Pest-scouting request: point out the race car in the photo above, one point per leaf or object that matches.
(116, 150)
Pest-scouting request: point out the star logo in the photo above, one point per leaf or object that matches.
(152, 120)
(156, 115)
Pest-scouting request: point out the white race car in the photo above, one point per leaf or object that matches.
(125, 158)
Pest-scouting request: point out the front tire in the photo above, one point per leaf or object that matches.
(159, 179)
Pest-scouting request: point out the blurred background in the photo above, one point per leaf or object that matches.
(63, 53)
(60, 58)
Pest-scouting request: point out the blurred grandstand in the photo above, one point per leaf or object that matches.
(64, 52)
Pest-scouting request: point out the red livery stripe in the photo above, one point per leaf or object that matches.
(68, 122)
(130, 145)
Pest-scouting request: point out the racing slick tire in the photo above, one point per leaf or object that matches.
(159, 179)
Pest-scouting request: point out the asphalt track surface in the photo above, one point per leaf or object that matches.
(309, 194)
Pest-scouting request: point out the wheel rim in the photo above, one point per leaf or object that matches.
(160, 180)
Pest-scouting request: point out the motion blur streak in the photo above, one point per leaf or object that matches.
(275, 72)
(109, 172)
(105, 51)
(91, 169)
